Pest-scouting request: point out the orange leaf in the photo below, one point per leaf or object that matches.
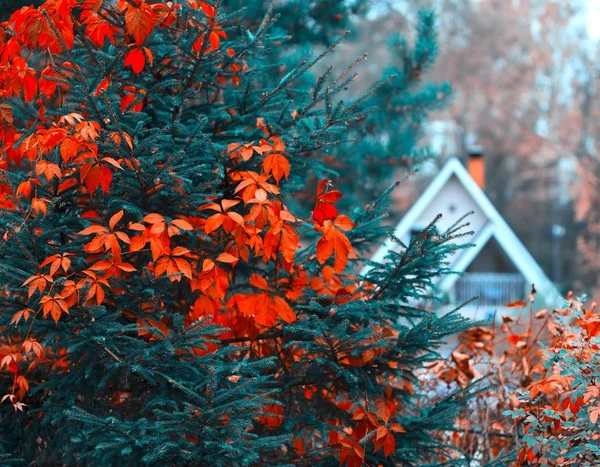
(594, 412)
(519, 304)
(229, 203)
(126, 267)
(137, 243)
(114, 219)
(148, 54)
(276, 165)
(6, 113)
(102, 265)
(396, 428)
(383, 410)
(237, 218)
(112, 162)
(182, 224)
(213, 223)
(343, 222)
(93, 229)
(139, 21)
(289, 243)
(284, 311)
(179, 251)
(227, 258)
(258, 282)
(21, 314)
(97, 29)
(184, 267)
(334, 242)
(541, 314)
(153, 218)
(68, 149)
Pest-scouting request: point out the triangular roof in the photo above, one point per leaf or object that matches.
(496, 227)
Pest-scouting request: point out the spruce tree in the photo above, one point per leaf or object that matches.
(7, 7)
(179, 284)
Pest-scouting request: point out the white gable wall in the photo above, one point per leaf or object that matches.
(453, 193)
(454, 186)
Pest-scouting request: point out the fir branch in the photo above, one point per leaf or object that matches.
(296, 73)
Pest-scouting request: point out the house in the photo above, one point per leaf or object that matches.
(498, 268)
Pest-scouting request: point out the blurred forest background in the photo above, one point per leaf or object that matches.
(525, 81)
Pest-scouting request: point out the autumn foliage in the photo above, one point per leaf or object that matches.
(539, 404)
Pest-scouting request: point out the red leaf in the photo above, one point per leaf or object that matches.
(514, 339)
(389, 444)
(102, 86)
(126, 101)
(213, 223)
(97, 28)
(126, 267)
(30, 85)
(105, 178)
(274, 417)
(136, 59)
(324, 211)
(321, 186)
(324, 208)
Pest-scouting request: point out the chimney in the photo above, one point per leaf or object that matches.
(476, 165)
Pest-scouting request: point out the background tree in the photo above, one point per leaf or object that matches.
(588, 213)
(7, 7)
(587, 191)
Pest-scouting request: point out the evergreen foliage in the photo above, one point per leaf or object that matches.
(7, 7)
(174, 292)
(388, 137)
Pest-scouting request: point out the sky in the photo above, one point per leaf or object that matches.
(593, 18)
